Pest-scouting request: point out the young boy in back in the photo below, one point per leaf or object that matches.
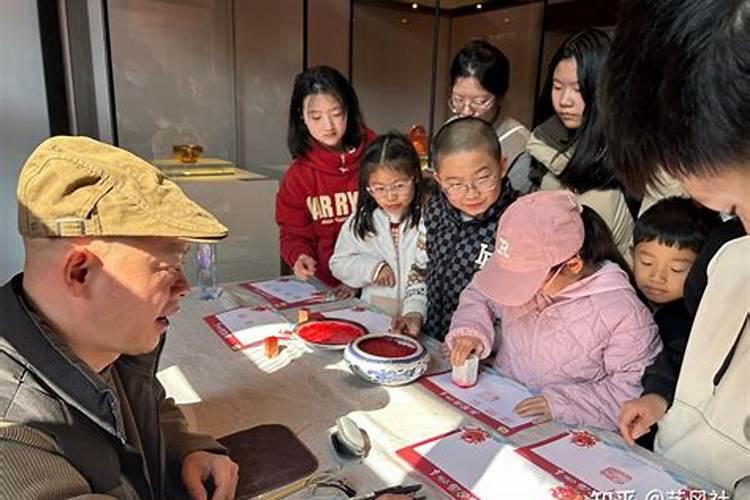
(457, 230)
(666, 241)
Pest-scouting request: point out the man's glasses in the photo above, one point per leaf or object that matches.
(481, 184)
(477, 105)
(397, 188)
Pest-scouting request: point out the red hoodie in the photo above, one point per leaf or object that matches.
(318, 193)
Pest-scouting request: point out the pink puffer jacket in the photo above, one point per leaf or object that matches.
(584, 349)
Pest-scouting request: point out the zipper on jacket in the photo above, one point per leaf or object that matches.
(343, 168)
(397, 247)
(727, 360)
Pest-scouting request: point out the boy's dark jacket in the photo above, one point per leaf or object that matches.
(457, 247)
(675, 320)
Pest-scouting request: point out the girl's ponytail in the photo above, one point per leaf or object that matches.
(598, 244)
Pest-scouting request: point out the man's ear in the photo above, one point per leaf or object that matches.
(78, 268)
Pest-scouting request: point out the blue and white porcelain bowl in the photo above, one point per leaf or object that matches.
(387, 358)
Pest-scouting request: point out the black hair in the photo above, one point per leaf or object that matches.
(394, 151)
(465, 134)
(676, 221)
(589, 48)
(486, 63)
(598, 243)
(322, 80)
(589, 166)
(676, 89)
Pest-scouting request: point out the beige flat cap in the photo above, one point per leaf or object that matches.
(76, 186)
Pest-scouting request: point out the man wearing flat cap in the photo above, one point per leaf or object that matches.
(81, 329)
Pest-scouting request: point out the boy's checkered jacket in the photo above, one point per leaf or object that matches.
(451, 247)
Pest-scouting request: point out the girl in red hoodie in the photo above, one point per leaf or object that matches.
(326, 138)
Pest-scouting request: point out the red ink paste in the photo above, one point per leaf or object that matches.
(330, 332)
(386, 347)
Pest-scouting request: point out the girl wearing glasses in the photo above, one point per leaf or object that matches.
(377, 245)
(479, 81)
(569, 148)
(573, 327)
(326, 138)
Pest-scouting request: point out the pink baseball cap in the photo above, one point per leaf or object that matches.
(537, 232)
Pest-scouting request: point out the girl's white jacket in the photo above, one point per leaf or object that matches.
(355, 261)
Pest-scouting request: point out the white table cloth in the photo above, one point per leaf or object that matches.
(222, 391)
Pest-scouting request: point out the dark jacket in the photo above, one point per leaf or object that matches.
(457, 247)
(63, 425)
(674, 324)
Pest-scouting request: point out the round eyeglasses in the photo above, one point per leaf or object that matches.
(482, 185)
(397, 188)
(477, 105)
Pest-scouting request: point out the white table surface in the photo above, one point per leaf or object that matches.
(222, 391)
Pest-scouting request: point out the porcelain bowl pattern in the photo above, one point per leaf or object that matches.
(387, 370)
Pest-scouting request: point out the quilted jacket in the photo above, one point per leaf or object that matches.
(584, 349)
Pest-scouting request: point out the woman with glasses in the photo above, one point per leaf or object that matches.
(568, 148)
(377, 245)
(479, 81)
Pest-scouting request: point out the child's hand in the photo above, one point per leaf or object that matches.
(638, 415)
(343, 291)
(385, 276)
(304, 267)
(408, 324)
(461, 347)
(533, 406)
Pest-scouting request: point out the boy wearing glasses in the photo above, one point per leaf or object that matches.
(457, 230)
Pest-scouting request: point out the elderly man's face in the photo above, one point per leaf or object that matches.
(138, 286)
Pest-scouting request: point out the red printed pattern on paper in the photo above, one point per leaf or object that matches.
(565, 492)
(474, 435)
(584, 439)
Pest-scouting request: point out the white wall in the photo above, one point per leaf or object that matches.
(328, 34)
(213, 72)
(23, 116)
(392, 66)
(173, 76)
(268, 54)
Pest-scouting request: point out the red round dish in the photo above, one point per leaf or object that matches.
(387, 347)
(330, 333)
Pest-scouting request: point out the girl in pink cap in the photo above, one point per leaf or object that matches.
(572, 325)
